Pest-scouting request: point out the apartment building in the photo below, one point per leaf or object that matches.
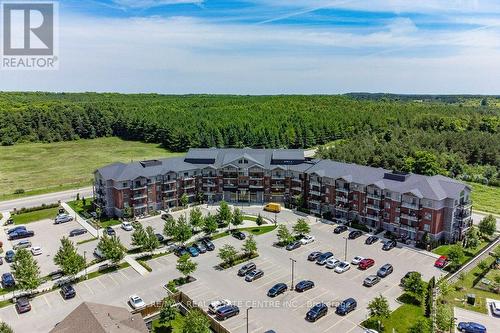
(406, 204)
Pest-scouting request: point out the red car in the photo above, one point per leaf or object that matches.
(366, 263)
(441, 262)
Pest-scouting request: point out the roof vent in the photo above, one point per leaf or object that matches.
(396, 176)
(150, 163)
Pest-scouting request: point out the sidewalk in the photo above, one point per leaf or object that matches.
(135, 265)
(93, 231)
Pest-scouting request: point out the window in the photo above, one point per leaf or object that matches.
(327, 190)
(124, 184)
(428, 216)
(427, 227)
(186, 174)
(387, 205)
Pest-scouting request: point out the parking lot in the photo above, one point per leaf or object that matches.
(286, 312)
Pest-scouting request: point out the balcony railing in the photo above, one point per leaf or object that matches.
(277, 176)
(188, 187)
(341, 199)
(341, 189)
(317, 193)
(168, 199)
(315, 202)
(374, 207)
(342, 208)
(374, 196)
(410, 205)
(169, 190)
(230, 175)
(169, 181)
(229, 185)
(139, 197)
(256, 176)
(314, 183)
(465, 205)
(409, 217)
(372, 217)
(209, 184)
(140, 206)
(297, 188)
(140, 187)
(278, 185)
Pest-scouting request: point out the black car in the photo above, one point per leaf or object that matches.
(9, 255)
(10, 220)
(238, 235)
(314, 255)
(67, 291)
(21, 234)
(247, 268)
(277, 289)
(407, 275)
(385, 270)
(390, 244)
(166, 216)
(304, 285)
(110, 231)
(208, 244)
(200, 246)
(227, 311)
(160, 237)
(355, 234)
(76, 232)
(370, 240)
(346, 306)
(321, 260)
(340, 229)
(181, 251)
(316, 312)
(293, 246)
(23, 305)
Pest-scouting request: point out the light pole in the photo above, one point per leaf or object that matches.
(275, 218)
(248, 309)
(345, 249)
(293, 261)
(85, 261)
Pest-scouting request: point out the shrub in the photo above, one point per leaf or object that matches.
(19, 191)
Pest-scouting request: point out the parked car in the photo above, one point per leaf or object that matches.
(166, 216)
(366, 263)
(209, 245)
(314, 255)
(77, 232)
(370, 240)
(216, 305)
(36, 250)
(200, 247)
(342, 267)
(346, 306)
(227, 311)
(110, 231)
(356, 260)
(8, 280)
(1, 261)
(10, 220)
(321, 260)
(136, 302)
(316, 312)
(127, 226)
(495, 308)
(293, 246)
(388, 245)
(407, 275)
(159, 237)
(193, 252)
(238, 235)
(21, 234)
(471, 327)
(180, 251)
(63, 218)
(307, 239)
(254, 275)
(15, 229)
(332, 263)
(371, 280)
(340, 229)
(22, 245)
(273, 207)
(304, 285)
(98, 253)
(9, 256)
(277, 289)
(355, 234)
(385, 270)
(67, 291)
(23, 305)
(247, 268)
(441, 262)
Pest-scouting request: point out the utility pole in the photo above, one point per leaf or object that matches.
(293, 261)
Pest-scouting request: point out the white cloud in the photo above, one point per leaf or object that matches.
(153, 3)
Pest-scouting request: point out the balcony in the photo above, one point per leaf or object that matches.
(169, 190)
(140, 187)
(230, 176)
(341, 190)
(342, 208)
(312, 192)
(296, 180)
(275, 185)
(140, 206)
(374, 196)
(139, 197)
(315, 202)
(410, 205)
(372, 217)
(256, 186)
(277, 176)
(374, 207)
(230, 185)
(465, 205)
(256, 176)
(314, 183)
(207, 176)
(169, 181)
(188, 187)
(168, 199)
(409, 217)
(297, 188)
(341, 199)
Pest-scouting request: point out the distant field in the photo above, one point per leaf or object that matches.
(486, 198)
(48, 167)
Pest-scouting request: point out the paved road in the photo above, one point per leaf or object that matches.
(492, 323)
(48, 198)
(477, 217)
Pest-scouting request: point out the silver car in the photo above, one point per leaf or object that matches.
(24, 244)
(63, 218)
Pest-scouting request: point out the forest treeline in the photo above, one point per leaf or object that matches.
(460, 140)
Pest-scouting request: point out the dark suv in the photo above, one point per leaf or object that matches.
(23, 305)
(247, 268)
(346, 306)
(67, 291)
(8, 280)
(390, 244)
(316, 312)
(227, 311)
(208, 244)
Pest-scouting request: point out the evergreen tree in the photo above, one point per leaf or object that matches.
(26, 270)
(68, 259)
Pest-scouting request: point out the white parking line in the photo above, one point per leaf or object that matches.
(102, 284)
(46, 301)
(125, 276)
(90, 289)
(329, 328)
(112, 279)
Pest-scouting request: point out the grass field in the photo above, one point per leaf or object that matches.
(486, 198)
(49, 167)
(443, 250)
(37, 215)
(177, 326)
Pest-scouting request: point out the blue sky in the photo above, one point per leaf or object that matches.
(274, 47)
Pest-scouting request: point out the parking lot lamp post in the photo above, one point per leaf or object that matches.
(85, 261)
(345, 250)
(293, 261)
(248, 309)
(275, 218)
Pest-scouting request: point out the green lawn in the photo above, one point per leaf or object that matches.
(49, 167)
(486, 198)
(84, 211)
(443, 250)
(177, 326)
(37, 215)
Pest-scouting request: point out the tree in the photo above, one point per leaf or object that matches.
(152, 241)
(183, 231)
(429, 296)
(169, 228)
(249, 246)
(237, 217)
(488, 225)
(186, 266)
(426, 239)
(26, 270)
(379, 307)
(301, 227)
(209, 225)
(414, 285)
(455, 255)
(168, 311)
(223, 214)
(128, 212)
(424, 163)
(184, 200)
(196, 218)
(200, 197)
(444, 287)
(139, 236)
(259, 220)
(444, 317)
(4, 328)
(284, 235)
(421, 326)
(472, 240)
(68, 259)
(111, 248)
(196, 322)
(227, 253)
